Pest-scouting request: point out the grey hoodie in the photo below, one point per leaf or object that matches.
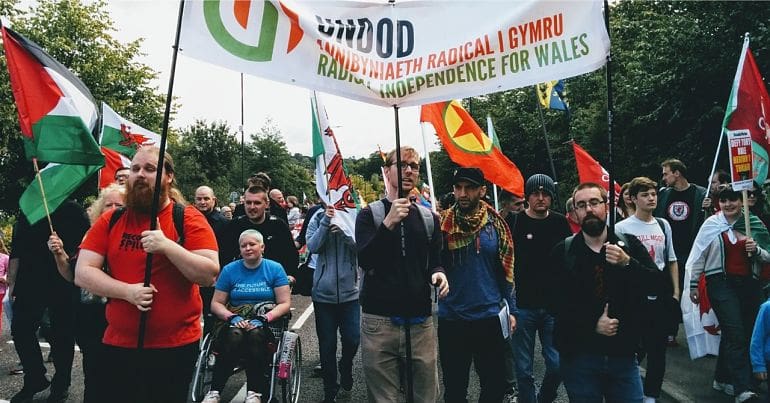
(335, 279)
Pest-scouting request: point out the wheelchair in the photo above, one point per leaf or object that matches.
(285, 369)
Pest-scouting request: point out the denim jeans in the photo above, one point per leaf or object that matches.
(383, 348)
(528, 323)
(735, 301)
(593, 378)
(481, 342)
(329, 318)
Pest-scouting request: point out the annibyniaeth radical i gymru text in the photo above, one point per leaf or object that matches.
(475, 60)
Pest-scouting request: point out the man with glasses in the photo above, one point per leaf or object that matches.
(599, 281)
(535, 233)
(399, 246)
(121, 175)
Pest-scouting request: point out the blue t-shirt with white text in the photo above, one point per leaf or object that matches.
(250, 286)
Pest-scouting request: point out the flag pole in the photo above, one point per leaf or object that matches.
(610, 167)
(159, 175)
(428, 167)
(494, 192)
(42, 194)
(243, 147)
(548, 150)
(407, 325)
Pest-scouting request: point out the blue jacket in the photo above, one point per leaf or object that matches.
(335, 279)
(760, 339)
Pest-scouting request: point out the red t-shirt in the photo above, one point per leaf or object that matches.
(174, 319)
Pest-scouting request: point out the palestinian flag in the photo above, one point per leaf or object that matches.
(749, 109)
(468, 146)
(332, 182)
(57, 113)
(122, 135)
(59, 181)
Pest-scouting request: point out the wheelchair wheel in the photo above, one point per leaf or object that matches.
(204, 371)
(290, 387)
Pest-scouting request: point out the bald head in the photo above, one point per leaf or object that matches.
(205, 199)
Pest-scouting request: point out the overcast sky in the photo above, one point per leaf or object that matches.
(209, 92)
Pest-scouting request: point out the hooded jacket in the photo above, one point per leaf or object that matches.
(335, 279)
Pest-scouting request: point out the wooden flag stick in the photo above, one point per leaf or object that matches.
(42, 193)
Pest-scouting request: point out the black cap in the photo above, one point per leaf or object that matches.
(471, 175)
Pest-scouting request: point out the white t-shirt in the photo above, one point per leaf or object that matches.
(652, 237)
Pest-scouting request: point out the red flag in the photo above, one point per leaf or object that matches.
(112, 161)
(749, 109)
(468, 146)
(589, 170)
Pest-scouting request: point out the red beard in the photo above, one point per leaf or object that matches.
(139, 196)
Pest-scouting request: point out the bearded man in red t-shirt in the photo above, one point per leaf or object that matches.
(162, 370)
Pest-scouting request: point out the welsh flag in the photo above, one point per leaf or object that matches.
(57, 113)
(119, 140)
(749, 109)
(589, 170)
(468, 146)
(332, 183)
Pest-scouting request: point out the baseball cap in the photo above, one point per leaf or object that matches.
(472, 175)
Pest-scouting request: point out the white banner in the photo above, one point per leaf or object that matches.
(406, 53)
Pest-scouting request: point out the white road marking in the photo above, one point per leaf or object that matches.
(301, 321)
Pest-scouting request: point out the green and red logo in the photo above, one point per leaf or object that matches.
(268, 28)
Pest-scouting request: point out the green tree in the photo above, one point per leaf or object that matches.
(79, 35)
(268, 153)
(206, 154)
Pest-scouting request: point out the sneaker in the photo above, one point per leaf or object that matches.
(747, 396)
(253, 397)
(510, 398)
(648, 399)
(725, 388)
(27, 393)
(211, 397)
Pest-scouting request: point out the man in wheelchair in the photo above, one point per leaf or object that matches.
(243, 335)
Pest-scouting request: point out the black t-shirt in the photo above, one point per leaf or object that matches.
(680, 213)
(278, 243)
(37, 267)
(533, 240)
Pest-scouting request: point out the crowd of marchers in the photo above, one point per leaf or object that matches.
(600, 298)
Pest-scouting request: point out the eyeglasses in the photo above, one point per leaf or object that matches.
(581, 205)
(415, 166)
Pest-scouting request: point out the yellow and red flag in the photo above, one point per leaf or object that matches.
(468, 146)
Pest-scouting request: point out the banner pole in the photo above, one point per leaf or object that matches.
(243, 147)
(610, 167)
(159, 175)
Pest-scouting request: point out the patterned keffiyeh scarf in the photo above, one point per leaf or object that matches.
(462, 230)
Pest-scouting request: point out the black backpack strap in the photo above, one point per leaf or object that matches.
(665, 238)
(178, 215)
(115, 217)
